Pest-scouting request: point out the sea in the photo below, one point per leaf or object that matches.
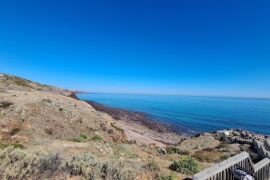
(193, 114)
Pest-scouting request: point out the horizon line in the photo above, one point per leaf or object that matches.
(163, 94)
(138, 93)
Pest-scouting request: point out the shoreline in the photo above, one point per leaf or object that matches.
(146, 130)
(141, 128)
(141, 117)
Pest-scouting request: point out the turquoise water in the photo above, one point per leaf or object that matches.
(195, 114)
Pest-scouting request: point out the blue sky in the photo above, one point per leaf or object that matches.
(192, 47)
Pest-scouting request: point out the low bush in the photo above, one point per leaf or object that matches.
(186, 165)
(174, 150)
(170, 177)
(84, 136)
(3, 145)
(17, 145)
(14, 145)
(89, 167)
(84, 165)
(116, 170)
(20, 164)
(81, 138)
(96, 138)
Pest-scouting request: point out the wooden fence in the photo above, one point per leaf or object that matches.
(225, 169)
(261, 148)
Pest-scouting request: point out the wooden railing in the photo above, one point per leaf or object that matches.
(262, 169)
(225, 169)
(261, 148)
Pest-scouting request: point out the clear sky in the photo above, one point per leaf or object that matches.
(194, 47)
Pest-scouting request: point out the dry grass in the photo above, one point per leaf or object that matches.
(209, 156)
(21, 82)
(22, 164)
(19, 164)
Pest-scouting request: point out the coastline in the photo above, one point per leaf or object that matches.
(141, 128)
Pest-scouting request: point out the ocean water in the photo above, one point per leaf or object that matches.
(194, 114)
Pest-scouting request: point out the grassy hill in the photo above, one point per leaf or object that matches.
(47, 133)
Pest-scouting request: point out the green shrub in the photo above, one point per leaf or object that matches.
(81, 138)
(174, 150)
(186, 165)
(84, 136)
(96, 138)
(17, 145)
(170, 177)
(2, 145)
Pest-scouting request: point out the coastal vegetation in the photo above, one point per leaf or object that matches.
(175, 150)
(22, 164)
(186, 165)
(81, 138)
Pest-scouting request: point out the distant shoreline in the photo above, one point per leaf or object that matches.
(140, 124)
(140, 117)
